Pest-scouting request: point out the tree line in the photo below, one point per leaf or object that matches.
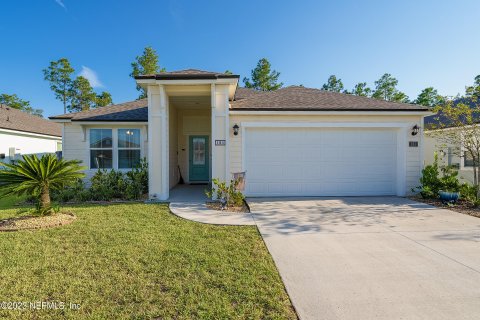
(263, 78)
(77, 94)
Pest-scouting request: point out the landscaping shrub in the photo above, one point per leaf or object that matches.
(228, 193)
(137, 181)
(76, 192)
(434, 179)
(449, 179)
(430, 182)
(107, 185)
(469, 193)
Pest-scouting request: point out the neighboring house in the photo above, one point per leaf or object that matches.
(294, 141)
(447, 154)
(22, 133)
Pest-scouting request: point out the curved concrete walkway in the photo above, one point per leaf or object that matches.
(200, 213)
(188, 202)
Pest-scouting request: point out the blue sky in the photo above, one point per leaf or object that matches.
(422, 43)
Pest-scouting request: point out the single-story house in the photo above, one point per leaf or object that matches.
(294, 141)
(448, 154)
(22, 133)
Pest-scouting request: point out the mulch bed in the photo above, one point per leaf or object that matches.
(461, 206)
(36, 222)
(215, 205)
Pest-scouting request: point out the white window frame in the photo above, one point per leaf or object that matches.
(114, 146)
(90, 149)
(118, 148)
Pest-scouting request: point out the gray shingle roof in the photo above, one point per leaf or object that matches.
(244, 93)
(14, 119)
(292, 98)
(297, 98)
(129, 111)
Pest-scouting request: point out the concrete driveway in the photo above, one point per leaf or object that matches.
(373, 257)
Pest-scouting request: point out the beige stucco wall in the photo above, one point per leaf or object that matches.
(76, 144)
(185, 122)
(413, 156)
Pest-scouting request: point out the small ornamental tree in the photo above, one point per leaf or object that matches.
(38, 177)
(458, 126)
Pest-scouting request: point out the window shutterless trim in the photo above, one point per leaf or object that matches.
(114, 148)
(94, 149)
(128, 148)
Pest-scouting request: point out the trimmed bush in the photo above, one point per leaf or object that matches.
(107, 185)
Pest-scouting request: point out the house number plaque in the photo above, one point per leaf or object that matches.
(219, 142)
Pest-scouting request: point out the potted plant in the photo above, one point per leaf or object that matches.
(449, 196)
(450, 190)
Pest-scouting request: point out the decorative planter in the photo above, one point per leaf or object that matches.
(449, 197)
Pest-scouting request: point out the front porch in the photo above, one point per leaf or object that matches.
(185, 193)
(188, 133)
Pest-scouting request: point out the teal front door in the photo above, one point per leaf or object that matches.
(198, 158)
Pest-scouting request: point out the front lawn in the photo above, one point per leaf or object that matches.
(138, 261)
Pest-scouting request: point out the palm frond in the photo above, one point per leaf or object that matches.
(31, 174)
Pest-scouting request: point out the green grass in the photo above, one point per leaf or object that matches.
(139, 261)
(9, 202)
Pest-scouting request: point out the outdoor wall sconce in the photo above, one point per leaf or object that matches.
(415, 130)
(235, 129)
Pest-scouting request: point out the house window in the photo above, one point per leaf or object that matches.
(101, 152)
(467, 159)
(128, 148)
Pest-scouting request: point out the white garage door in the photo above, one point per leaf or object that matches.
(320, 161)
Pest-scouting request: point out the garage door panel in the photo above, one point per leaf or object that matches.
(320, 161)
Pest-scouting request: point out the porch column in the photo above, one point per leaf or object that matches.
(157, 143)
(220, 167)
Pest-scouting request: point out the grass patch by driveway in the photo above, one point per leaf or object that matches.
(139, 261)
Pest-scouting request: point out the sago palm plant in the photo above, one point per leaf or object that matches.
(38, 177)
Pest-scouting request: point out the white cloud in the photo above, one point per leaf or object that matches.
(92, 77)
(61, 4)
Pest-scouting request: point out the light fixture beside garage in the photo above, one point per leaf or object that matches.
(235, 129)
(415, 130)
